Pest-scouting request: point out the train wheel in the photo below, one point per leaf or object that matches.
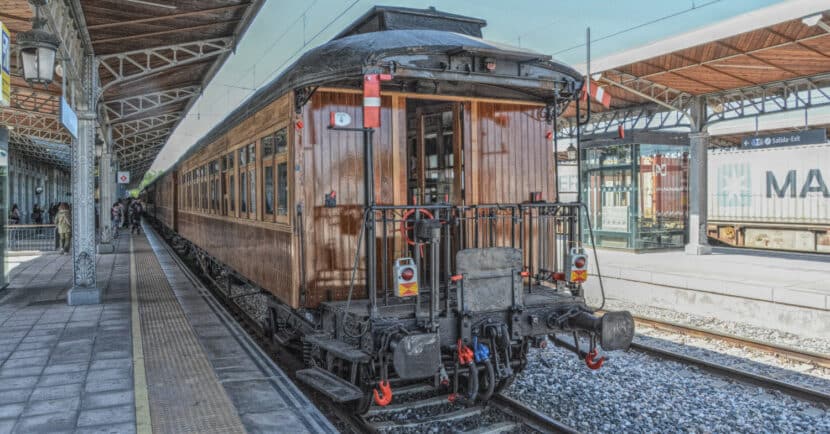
(362, 405)
(364, 380)
(504, 383)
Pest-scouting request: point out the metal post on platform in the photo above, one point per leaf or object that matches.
(84, 289)
(371, 247)
(698, 193)
(106, 181)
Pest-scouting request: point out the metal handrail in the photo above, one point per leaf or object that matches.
(31, 237)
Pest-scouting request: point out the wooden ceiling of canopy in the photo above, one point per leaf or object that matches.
(784, 51)
(123, 26)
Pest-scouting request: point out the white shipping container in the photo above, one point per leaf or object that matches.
(770, 185)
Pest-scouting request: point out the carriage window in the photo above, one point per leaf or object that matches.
(252, 178)
(214, 194)
(251, 153)
(231, 193)
(196, 188)
(269, 189)
(243, 203)
(190, 190)
(230, 161)
(281, 140)
(242, 157)
(204, 188)
(267, 146)
(282, 189)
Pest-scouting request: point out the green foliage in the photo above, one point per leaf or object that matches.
(149, 177)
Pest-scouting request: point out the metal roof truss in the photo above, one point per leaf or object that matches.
(133, 106)
(140, 63)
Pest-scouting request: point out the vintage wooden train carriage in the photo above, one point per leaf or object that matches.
(278, 197)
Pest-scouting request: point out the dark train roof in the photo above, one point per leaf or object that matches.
(382, 18)
(343, 61)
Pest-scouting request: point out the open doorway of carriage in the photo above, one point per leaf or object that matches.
(435, 171)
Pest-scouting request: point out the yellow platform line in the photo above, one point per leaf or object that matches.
(143, 424)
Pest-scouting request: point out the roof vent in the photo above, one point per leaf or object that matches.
(381, 18)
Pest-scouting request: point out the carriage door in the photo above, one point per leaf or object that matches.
(435, 165)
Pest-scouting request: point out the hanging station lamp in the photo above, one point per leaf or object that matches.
(37, 49)
(571, 152)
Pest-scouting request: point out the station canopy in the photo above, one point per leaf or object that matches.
(154, 58)
(772, 60)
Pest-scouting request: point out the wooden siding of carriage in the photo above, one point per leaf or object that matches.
(262, 251)
(506, 156)
(164, 208)
(333, 161)
(505, 152)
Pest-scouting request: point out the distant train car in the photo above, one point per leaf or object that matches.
(771, 198)
(394, 192)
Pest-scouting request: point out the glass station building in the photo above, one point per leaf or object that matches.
(636, 190)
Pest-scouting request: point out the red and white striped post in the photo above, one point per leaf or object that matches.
(371, 99)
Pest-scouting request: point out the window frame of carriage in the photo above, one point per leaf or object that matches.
(274, 152)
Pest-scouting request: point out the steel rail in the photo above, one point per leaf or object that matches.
(796, 391)
(529, 416)
(787, 352)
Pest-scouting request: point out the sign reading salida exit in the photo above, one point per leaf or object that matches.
(806, 137)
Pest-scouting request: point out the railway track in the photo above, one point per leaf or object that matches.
(435, 414)
(515, 416)
(788, 353)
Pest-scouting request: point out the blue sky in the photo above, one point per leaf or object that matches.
(285, 29)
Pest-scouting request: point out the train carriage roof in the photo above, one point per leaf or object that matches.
(414, 56)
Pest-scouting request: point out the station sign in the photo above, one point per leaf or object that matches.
(69, 119)
(806, 137)
(123, 177)
(5, 65)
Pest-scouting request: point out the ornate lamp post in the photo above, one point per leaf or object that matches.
(37, 49)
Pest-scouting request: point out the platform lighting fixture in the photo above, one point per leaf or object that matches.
(37, 49)
(571, 152)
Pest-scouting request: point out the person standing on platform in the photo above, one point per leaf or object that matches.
(115, 216)
(53, 211)
(14, 216)
(37, 215)
(135, 216)
(64, 222)
(123, 209)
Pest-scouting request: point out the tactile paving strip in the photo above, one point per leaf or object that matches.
(184, 393)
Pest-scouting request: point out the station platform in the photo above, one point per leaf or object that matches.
(785, 291)
(159, 354)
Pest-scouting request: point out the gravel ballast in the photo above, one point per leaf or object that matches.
(635, 392)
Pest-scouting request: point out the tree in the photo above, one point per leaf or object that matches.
(149, 176)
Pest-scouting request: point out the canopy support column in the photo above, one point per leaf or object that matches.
(85, 289)
(106, 182)
(698, 194)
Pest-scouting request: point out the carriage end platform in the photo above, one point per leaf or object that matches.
(159, 354)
